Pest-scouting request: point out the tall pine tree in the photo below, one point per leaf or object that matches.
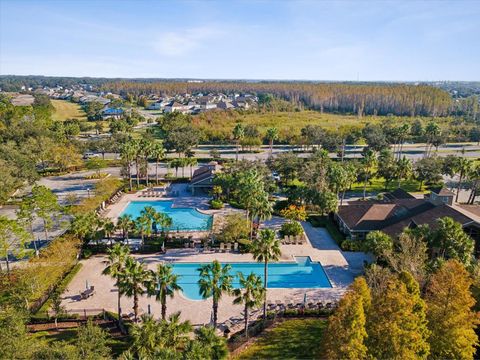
(345, 335)
(396, 324)
(450, 317)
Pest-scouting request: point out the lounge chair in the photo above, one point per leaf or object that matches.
(235, 246)
(228, 247)
(222, 246)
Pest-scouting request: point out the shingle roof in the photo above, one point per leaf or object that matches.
(394, 214)
(442, 191)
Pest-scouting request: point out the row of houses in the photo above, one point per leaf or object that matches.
(194, 104)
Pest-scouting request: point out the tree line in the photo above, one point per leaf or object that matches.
(362, 99)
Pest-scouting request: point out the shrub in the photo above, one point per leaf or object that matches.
(244, 245)
(216, 204)
(294, 212)
(291, 228)
(351, 245)
(236, 227)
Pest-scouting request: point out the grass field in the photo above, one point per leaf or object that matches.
(290, 339)
(67, 110)
(219, 125)
(378, 185)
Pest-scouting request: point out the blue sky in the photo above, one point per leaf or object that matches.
(316, 40)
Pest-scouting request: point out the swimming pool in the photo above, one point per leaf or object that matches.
(303, 273)
(187, 219)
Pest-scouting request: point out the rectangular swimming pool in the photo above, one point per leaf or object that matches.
(186, 219)
(303, 273)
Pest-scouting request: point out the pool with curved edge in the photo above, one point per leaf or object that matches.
(302, 273)
(183, 219)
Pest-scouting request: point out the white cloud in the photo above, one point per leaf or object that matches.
(176, 43)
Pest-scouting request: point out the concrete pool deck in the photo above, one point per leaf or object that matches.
(320, 247)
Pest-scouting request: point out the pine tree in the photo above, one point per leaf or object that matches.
(450, 316)
(396, 325)
(346, 333)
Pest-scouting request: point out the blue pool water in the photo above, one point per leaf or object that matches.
(300, 274)
(183, 218)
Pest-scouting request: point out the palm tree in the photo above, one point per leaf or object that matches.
(192, 162)
(368, 164)
(404, 169)
(250, 294)
(238, 134)
(266, 248)
(272, 135)
(175, 334)
(158, 152)
(143, 224)
(137, 151)
(464, 167)
(215, 280)
(145, 337)
(127, 152)
(117, 256)
(262, 209)
(209, 344)
(108, 228)
(146, 147)
(134, 281)
(166, 283)
(432, 133)
(125, 223)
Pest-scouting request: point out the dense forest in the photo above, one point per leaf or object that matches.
(404, 100)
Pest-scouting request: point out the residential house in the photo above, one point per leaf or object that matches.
(112, 113)
(399, 210)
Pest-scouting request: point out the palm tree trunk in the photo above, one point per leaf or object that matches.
(146, 173)
(364, 187)
(271, 148)
(265, 282)
(156, 171)
(236, 151)
(459, 186)
(164, 307)
(7, 261)
(119, 305)
(130, 175)
(137, 172)
(246, 321)
(215, 310)
(135, 305)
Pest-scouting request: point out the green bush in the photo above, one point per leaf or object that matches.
(292, 228)
(351, 245)
(216, 204)
(86, 253)
(235, 227)
(244, 245)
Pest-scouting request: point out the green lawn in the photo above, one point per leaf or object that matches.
(290, 339)
(67, 110)
(378, 185)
